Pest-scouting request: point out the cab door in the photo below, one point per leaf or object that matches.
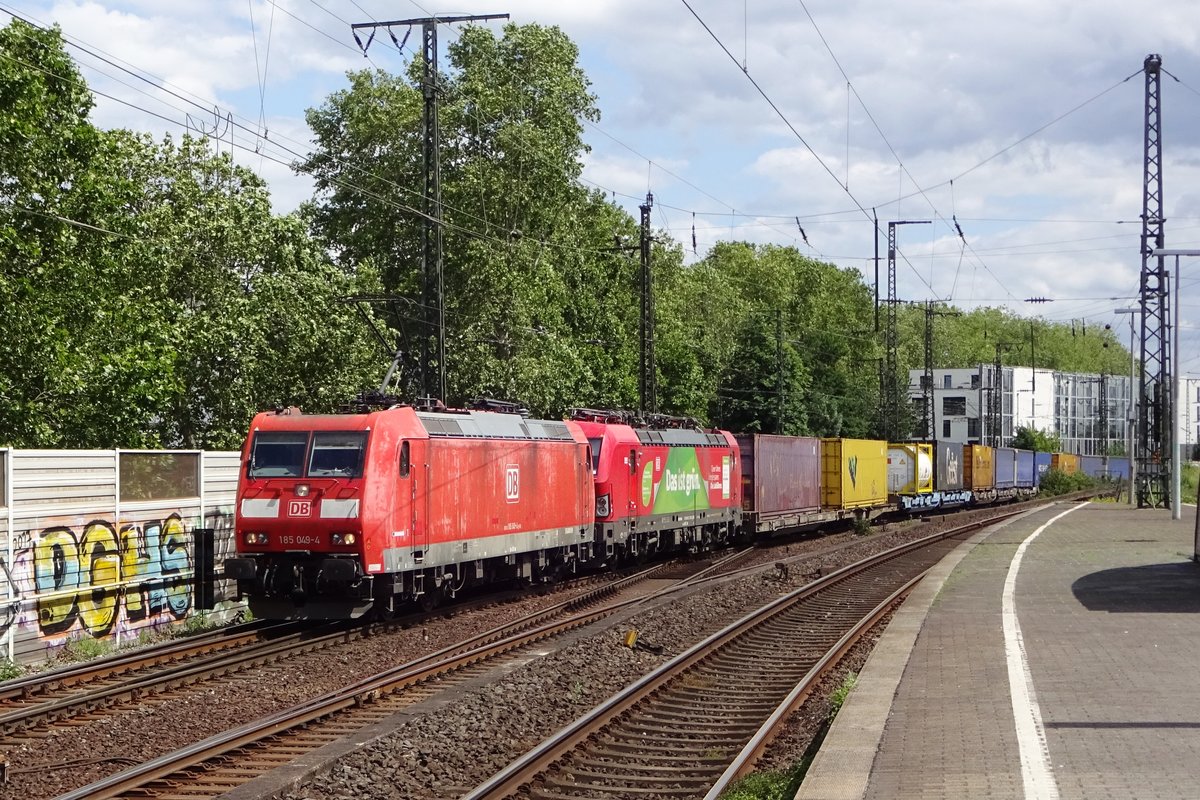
(405, 523)
(419, 485)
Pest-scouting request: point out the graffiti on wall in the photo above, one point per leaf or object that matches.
(98, 578)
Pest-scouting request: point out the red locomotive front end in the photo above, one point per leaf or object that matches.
(663, 487)
(338, 515)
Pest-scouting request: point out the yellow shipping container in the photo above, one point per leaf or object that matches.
(979, 467)
(1066, 463)
(910, 468)
(854, 473)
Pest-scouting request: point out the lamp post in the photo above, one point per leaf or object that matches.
(1130, 415)
(1176, 465)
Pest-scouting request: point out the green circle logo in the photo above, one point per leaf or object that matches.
(648, 483)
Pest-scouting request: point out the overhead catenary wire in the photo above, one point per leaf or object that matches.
(296, 154)
(465, 216)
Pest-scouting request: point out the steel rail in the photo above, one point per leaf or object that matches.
(118, 663)
(745, 760)
(526, 630)
(524, 771)
(208, 664)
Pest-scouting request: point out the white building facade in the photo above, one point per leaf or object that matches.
(1090, 414)
(1189, 418)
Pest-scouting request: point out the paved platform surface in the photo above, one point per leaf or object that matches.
(1068, 667)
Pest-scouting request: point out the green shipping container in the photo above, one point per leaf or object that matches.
(854, 473)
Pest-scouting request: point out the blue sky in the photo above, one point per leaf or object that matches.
(1013, 117)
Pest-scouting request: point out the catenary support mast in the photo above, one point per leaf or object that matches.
(1153, 450)
(433, 287)
(647, 373)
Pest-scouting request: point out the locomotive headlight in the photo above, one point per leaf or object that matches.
(257, 538)
(301, 490)
(342, 538)
(603, 505)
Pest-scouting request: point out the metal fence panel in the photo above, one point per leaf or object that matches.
(85, 554)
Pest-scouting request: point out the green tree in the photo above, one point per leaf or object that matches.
(1029, 438)
(540, 306)
(818, 316)
(148, 295)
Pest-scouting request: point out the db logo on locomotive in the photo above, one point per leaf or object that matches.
(300, 508)
(512, 483)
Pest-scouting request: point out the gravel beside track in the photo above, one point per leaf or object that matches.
(465, 742)
(105, 742)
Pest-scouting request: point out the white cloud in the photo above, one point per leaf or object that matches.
(949, 87)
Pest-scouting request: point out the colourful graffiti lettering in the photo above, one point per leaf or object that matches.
(89, 579)
(56, 578)
(100, 569)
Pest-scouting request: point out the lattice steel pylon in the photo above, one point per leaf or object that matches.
(1153, 451)
(433, 284)
(1103, 415)
(647, 369)
(893, 418)
(928, 412)
(996, 399)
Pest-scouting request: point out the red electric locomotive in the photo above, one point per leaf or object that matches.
(664, 487)
(341, 514)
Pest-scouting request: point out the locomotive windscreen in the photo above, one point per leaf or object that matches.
(278, 454)
(284, 454)
(337, 453)
(596, 444)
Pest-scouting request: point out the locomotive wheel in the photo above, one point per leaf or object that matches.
(430, 600)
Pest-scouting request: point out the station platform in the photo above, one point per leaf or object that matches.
(1051, 656)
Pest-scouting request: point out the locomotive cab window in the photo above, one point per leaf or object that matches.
(405, 460)
(278, 454)
(595, 445)
(338, 454)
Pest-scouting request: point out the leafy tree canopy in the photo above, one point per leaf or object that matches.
(1029, 438)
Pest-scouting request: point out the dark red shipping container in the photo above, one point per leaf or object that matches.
(780, 474)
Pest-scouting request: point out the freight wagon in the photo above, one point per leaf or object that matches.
(1066, 463)
(910, 469)
(781, 482)
(1042, 463)
(1005, 465)
(1107, 468)
(853, 473)
(1118, 468)
(979, 468)
(1092, 466)
(1026, 471)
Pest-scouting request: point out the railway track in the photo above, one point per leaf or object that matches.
(32, 712)
(691, 726)
(215, 765)
(235, 757)
(31, 707)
